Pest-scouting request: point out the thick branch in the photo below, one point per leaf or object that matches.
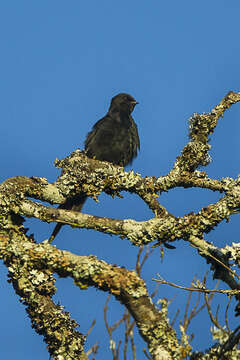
(36, 286)
(125, 285)
(163, 229)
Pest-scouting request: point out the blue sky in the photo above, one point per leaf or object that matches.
(60, 64)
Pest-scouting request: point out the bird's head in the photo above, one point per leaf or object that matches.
(123, 102)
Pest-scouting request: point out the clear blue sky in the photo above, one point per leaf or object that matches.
(61, 62)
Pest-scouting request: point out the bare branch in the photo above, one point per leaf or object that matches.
(213, 319)
(226, 314)
(202, 290)
(91, 327)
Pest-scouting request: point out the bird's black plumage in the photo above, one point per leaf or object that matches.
(114, 138)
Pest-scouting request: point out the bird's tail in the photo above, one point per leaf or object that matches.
(74, 204)
(55, 232)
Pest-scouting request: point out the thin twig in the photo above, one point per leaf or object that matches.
(155, 291)
(126, 321)
(213, 319)
(206, 291)
(132, 343)
(138, 264)
(110, 329)
(117, 350)
(91, 327)
(175, 318)
(186, 309)
(93, 350)
(226, 314)
(146, 354)
(217, 311)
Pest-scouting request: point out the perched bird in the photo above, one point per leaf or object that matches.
(114, 138)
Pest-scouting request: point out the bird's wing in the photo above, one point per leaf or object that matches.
(101, 133)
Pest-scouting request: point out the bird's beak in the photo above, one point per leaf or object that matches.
(134, 102)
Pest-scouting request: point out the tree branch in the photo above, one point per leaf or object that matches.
(86, 271)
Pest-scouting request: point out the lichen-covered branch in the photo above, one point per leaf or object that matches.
(35, 286)
(39, 261)
(166, 228)
(195, 153)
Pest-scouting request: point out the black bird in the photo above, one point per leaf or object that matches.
(114, 138)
